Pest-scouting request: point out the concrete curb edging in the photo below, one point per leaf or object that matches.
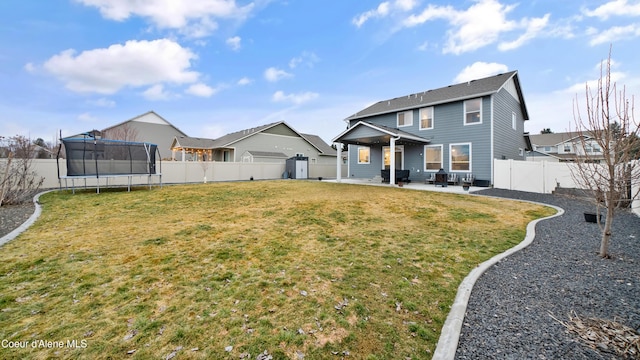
(25, 225)
(448, 341)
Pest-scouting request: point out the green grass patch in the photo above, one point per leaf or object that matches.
(284, 266)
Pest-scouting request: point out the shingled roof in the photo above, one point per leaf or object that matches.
(462, 91)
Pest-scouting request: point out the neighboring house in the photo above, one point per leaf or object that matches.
(459, 128)
(148, 127)
(564, 147)
(275, 142)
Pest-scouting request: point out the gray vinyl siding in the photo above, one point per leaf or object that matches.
(289, 145)
(448, 129)
(159, 134)
(366, 171)
(508, 141)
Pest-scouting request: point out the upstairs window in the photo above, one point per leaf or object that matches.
(405, 118)
(426, 118)
(473, 111)
(514, 123)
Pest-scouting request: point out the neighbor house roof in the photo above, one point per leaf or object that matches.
(163, 121)
(229, 139)
(191, 143)
(319, 144)
(462, 91)
(555, 138)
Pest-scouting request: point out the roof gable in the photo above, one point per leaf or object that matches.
(277, 128)
(462, 91)
(150, 117)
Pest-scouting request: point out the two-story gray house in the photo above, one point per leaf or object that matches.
(459, 128)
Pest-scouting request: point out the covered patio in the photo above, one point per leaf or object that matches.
(367, 134)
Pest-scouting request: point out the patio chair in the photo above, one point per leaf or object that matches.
(468, 179)
(430, 179)
(452, 179)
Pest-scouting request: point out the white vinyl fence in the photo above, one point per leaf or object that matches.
(542, 177)
(177, 172)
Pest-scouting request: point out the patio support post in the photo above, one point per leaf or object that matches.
(184, 158)
(339, 162)
(392, 161)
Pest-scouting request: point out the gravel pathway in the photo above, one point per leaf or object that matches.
(509, 315)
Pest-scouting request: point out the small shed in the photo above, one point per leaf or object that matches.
(298, 167)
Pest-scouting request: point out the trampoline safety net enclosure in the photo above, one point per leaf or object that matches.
(104, 158)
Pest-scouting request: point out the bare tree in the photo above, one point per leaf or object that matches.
(607, 164)
(124, 132)
(17, 180)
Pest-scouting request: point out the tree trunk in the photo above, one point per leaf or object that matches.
(606, 232)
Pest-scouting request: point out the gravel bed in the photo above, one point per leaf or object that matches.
(509, 315)
(12, 216)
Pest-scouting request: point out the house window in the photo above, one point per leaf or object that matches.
(363, 155)
(521, 151)
(432, 157)
(460, 157)
(226, 156)
(426, 118)
(473, 111)
(567, 148)
(405, 118)
(514, 123)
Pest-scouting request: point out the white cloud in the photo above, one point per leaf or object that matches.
(479, 70)
(234, 43)
(135, 64)
(533, 28)
(613, 34)
(201, 90)
(103, 102)
(156, 93)
(195, 17)
(29, 67)
(384, 9)
(273, 74)
(480, 25)
(199, 29)
(307, 58)
(297, 99)
(614, 8)
(87, 117)
(244, 81)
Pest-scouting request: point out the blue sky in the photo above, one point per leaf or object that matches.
(211, 67)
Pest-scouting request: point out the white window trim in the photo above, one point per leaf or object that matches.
(407, 114)
(514, 120)
(433, 120)
(464, 106)
(358, 154)
(441, 157)
(470, 157)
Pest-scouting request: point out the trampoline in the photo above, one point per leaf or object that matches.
(92, 158)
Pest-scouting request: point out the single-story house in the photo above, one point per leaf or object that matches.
(458, 128)
(275, 142)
